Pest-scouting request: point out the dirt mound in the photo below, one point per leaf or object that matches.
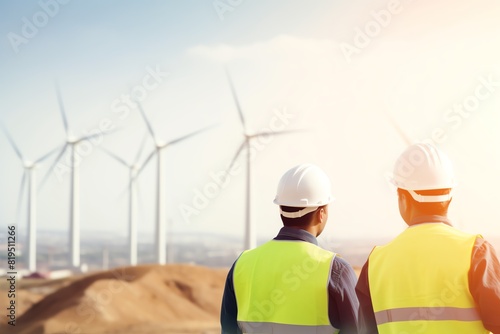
(142, 299)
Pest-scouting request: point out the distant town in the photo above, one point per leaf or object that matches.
(102, 251)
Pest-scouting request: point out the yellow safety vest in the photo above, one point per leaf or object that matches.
(282, 287)
(419, 282)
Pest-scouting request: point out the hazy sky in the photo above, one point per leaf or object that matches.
(335, 69)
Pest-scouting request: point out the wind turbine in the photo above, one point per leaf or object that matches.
(160, 146)
(250, 235)
(132, 190)
(30, 176)
(399, 130)
(71, 143)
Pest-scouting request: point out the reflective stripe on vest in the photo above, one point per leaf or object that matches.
(262, 327)
(427, 313)
(282, 287)
(419, 282)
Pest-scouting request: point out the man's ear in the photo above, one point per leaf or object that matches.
(402, 196)
(321, 215)
(404, 199)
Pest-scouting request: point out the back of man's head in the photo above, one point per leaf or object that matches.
(301, 191)
(424, 174)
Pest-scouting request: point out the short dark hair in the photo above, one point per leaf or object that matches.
(431, 208)
(297, 222)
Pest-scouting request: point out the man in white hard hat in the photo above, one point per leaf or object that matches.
(289, 284)
(432, 278)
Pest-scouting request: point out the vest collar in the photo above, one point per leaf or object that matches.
(289, 233)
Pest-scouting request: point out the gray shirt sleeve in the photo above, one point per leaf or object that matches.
(342, 300)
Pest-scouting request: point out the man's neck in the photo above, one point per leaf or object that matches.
(429, 218)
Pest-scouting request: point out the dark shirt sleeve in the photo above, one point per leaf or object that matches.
(342, 302)
(484, 284)
(229, 308)
(367, 322)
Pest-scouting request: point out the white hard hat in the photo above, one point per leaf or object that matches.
(303, 186)
(424, 167)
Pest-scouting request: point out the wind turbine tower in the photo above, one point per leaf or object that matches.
(29, 176)
(71, 145)
(250, 239)
(132, 192)
(160, 146)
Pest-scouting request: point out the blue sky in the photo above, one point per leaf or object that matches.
(286, 58)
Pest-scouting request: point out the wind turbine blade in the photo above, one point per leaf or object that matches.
(141, 148)
(46, 177)
(148, 124)
(20, 197)
(273, 133)
(12, 143)
(114, 156)
(236, 155)
(99, 134)
(400, 131)
(236, 101)
(44, 157)
(175, 141)
(61, 108)
(145, 163)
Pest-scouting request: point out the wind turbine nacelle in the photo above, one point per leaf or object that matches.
(72, 140)
(29, 164)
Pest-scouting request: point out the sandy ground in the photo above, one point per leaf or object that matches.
(143, 299)
(176, 299)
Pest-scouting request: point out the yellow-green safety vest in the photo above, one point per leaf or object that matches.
(282, 287)
(419, 282)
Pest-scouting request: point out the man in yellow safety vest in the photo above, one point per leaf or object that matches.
(432, 278)
(289, 284)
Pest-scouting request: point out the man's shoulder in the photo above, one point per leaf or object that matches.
(340, 261)
(340, 264)
(340, 270)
